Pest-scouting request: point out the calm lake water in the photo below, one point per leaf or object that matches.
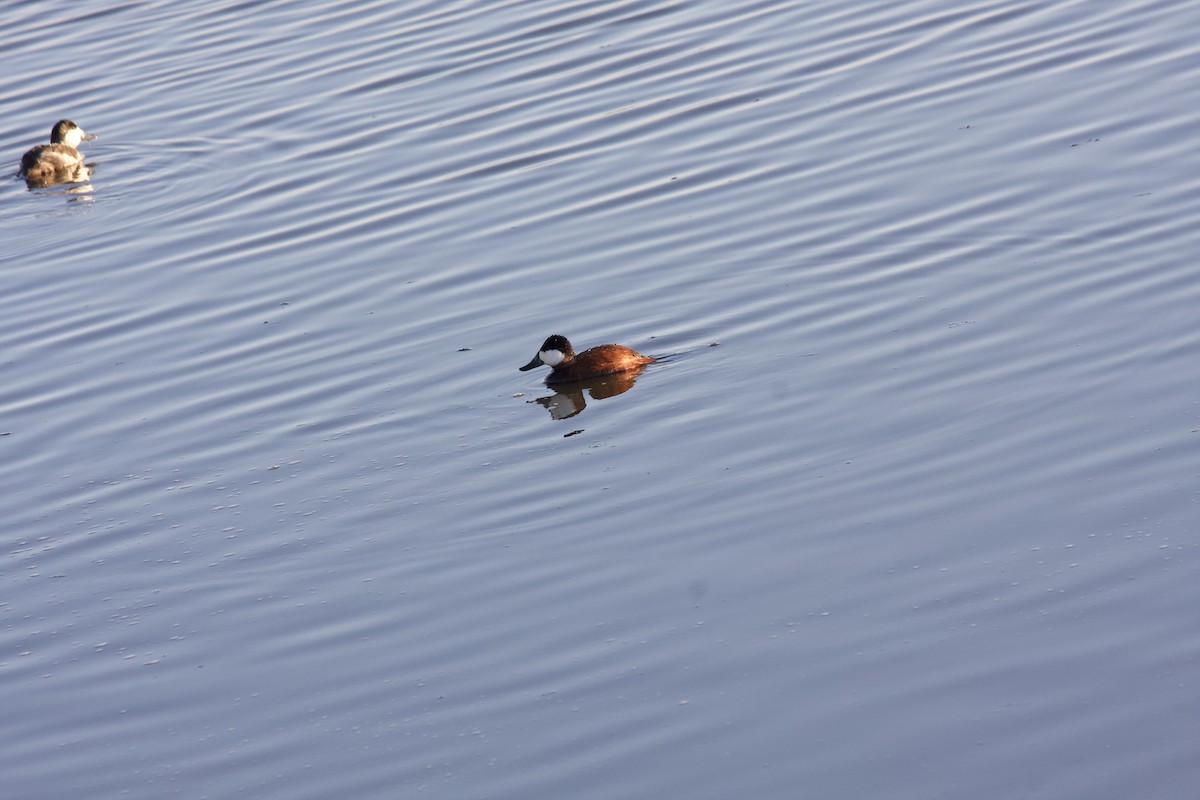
(910, 510)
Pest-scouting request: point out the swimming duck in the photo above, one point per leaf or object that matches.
(565, 366)
(59, 161)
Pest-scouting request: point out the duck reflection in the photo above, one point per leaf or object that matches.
(568, 399)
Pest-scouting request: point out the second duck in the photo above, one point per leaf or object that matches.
(59, 161)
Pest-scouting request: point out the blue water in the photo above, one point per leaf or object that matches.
(910, 510)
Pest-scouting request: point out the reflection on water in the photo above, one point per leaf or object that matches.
(568, 398)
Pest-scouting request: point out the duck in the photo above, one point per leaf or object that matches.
(566, 366)
(59, 161)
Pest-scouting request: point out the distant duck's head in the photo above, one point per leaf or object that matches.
(67, 132)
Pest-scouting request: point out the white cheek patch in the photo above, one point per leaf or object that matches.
(551, 358)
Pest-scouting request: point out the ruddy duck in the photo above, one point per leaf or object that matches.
(59, 161)
(603, 359)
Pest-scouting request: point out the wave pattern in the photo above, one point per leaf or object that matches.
(907, 508)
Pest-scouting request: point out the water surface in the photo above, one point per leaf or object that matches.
(910, 511)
